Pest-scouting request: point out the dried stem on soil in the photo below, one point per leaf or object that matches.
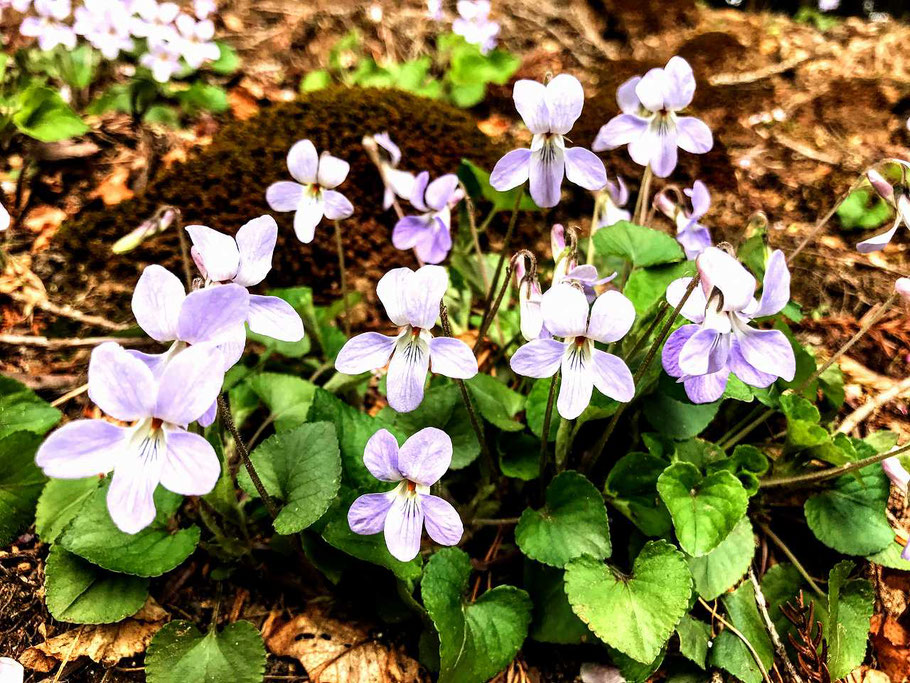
(831, 472)
(738, 634)
(772, 631)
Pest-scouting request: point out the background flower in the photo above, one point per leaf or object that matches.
(429, 234)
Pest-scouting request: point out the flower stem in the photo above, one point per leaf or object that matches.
(339, 245)
(761, 419)
(641, 203)
(545, 433)
(591, 458)
(790, 556)
(830, 472)
(513, 219)
(739, 634)
(488, 320)
(823, 221)
(245, 456)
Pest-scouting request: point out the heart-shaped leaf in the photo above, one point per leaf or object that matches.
(635, 614)
(723, 567)
(642, 246)
(20, 483)
(729, 652)
(476, 639)
(704, 509)
(60, 502)
(573, 523)
(179, 652)
(21, 410)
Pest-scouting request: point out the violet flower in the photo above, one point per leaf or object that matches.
(396, 182)
(549, 112)
(196, 40)
(156, 448)
(901, 286)
(898, 196)
(692, 235)
(650, 124)
(720, 341)
(162, 59)
(203, 9)
(529, 298)
(155, 21)
(411, 300)
(474, 24)
(613, 198)
(105, 25)
(402, 513)
(901, 479)
(565, 314)
(245, 261)
(313, 195)
(429, 234)
(47, 26)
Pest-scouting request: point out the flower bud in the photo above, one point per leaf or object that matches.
(902, 287)
(880, 185)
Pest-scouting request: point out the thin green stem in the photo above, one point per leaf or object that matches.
(485, 324)
(595, 217)
(790, 556)
(339, 246)
(636, 347)
(545, 433)
(513, 219)
(641, 203)
(829, 472)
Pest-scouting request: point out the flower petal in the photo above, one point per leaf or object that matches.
(208, 417)
(740, 367)
(878, 242)
(681, 83)
(337, 206)
(452, 358)
(693, 135)
(407, 373)
(309, 213)
(274, 317)
(577, 383)
(437, 241)
(585, 169)
(441, 520)
(775, 287)
(547, 168)
(694, 308)
(256, 243)
(365, 352)
(424, 294)
(706, 388)
(612, 376)
(530, 99)
(418, 191)
(767, 351)
(673, 347)
(720, 270)
(538, 358)
(217, 251)
(213, 314)
(511, 170)
(663, 149)
(130, 498)
(410, 231)
(425, 456)
(626, 98)
(896, 472)
(191, 467)
(403, 528)
(120, 384)
(190, 383)
(367, 514)
(695, 356)
(612, 316)
(156, 303)
(380, 456)
(303, 162)
(620, 130)
(82, 448)
(564, 101)
(332, 171)
(565, 311)
(392, 290)
(440, 191)
(284, 195)
(652, 89)
(700, 197)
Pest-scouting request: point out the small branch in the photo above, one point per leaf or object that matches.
(506, 521)
(184, 248)
(824, 219)
(485, 324)
(857, 416)
(71, 342)
(772, 631)
(78, 391)
(69, 312)
(738, 634)
(513, 219)
(790, 556)
(830, 472)
(641, 202)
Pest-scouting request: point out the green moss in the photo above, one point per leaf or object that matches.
(224, 186)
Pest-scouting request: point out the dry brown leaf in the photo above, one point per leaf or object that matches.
(44, 218)
(243, 104)
(104, 643)
(114, 188)
(334, 651)
(17, 277)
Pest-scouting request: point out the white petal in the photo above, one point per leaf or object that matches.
(392, 291)
(256, 243)
(156, 304)
(218, 252)
(424, 294)
(565, 311)
(332, 171)
(191, 467)
(577, 382)
(612, 316)
(303, 161)
(530, 101)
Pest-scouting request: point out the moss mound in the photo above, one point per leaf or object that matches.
(224, 186)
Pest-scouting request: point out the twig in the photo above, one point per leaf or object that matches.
(70, 394)
(70, 312)
(790, 556)
(69, 654)
(513, 219)
(505, 521)
(738, 634)
(184, 248)
(644, 190)
(824, 219)
(772, 631)
(70, 342)
(857, 416)
(485, 324)
(831, 472)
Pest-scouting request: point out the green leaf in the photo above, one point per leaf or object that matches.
(672, 414)
(302, 468)
(536, 408)
(890, 557)
(60, 501)
(315, 80)
(851, 604)
(863, 209)
(203, 97)
(496, 402)
(781, 584)
(641, 246)
(573, 523)
(476, 639)
(631, 488)
(722, 568)
(554, 621)
(288, 398)
(729, 652)
(704, 509)
(22, 411)
(153, 551)
(20, 483)
(44, 116)
(179, 652)
(519, 455)
(467, 95)
(647, 287)
(228, 61)
(850, 516)
(81, 593)
(694, 638)
(636, 614)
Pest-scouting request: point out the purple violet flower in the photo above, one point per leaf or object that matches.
(396, 182)
(402, 513)
(474, 24)
(411, 300)
(313, 195)
(549, 112)
(429, 234)
(649, 124)
(196, 40)
(246, 260)
(156, 448)
(529, 300)
(720, 341)
(105, 25)
(692, 235)
(565, 314)
(901, 479)
(897, 196)
(614, 197)
(47, 26)
(155, 21)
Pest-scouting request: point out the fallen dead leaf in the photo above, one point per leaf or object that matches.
(42, 218)
(114, 188)
(243, 104)
(104, 643)
(494, 126)
(334, 651)
(17, 278)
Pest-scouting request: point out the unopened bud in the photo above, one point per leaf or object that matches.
(880, 185)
